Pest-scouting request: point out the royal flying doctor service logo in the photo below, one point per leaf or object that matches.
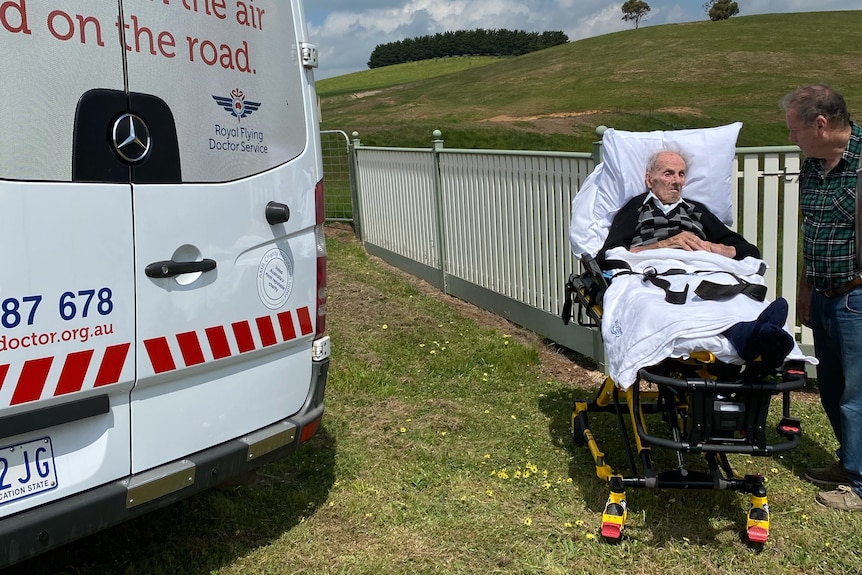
(234, 136)
(237, 105)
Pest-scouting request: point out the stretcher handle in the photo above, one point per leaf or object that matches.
(792, 380)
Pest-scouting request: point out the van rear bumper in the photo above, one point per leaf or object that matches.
(41, 529)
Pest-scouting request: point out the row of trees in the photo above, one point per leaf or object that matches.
(464, 43)
(637, 10)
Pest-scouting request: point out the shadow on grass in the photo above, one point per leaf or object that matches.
(208, 531)
(656, 516)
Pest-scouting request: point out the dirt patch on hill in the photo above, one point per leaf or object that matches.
(565, 123)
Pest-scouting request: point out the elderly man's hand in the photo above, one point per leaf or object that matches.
(689, 242)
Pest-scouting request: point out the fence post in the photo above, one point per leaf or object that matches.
(353, 174)
(436, 147)
(597, 145)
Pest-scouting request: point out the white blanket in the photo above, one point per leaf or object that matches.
(640, 328)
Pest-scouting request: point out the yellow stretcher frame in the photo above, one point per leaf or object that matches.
(706, 413)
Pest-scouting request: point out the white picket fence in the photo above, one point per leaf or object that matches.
(491, 227)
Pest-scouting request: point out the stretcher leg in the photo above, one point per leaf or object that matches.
(616, 510)
(757, 522)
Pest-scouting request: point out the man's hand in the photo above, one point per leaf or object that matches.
(803, 301)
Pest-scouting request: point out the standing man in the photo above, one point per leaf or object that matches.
(830, 289)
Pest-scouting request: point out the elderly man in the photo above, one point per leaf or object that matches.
(662, 218)
(830, 289)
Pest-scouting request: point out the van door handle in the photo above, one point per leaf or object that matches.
(277, 213)
(170, 268)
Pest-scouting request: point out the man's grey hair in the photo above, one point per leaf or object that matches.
(808, 102)
(653, 159)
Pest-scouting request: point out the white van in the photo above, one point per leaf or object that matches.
(162, 288)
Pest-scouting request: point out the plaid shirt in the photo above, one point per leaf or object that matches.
(828, 203)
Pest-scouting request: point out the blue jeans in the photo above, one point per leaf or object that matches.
(837, 326)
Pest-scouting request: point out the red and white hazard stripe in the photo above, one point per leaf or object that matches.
(219, 342)
(87, 369)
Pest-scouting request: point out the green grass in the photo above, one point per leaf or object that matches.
(659, 77)
(446, 449)
(389, 76)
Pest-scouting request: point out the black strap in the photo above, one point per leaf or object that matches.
(717, 292)
(706, 290)
(670, 296)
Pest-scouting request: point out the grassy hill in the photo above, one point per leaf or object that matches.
(659, 77)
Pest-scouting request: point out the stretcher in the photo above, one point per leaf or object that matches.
(693, 395)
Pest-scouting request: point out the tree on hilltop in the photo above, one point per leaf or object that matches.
(721, 9)
(635, 10)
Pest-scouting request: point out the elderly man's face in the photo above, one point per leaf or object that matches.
(667, 178)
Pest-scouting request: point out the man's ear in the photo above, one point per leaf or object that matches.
(821, 122)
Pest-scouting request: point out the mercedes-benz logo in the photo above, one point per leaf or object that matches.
(131, 138)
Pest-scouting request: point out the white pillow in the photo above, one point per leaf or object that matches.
(620, 177)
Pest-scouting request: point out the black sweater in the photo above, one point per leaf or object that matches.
(625, 228)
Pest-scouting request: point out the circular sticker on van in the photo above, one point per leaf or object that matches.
(275, 278)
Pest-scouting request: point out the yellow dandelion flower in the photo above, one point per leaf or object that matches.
(506, 342)
(487, 411)
(579, 523)
(590, 536)
(403, 430)
(528, 521)
(518, 474)
(385, 326)
(569, 480)
(487, 456)
(546, 485)
(443, 433)
(774, 470)
(503, 475)
(433, 351)
(567, 525)
(490, 492)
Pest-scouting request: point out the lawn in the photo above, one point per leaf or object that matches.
(446, 449)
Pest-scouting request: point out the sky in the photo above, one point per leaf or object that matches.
(346, 31)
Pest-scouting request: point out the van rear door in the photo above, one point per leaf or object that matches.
(67, 304)
(225, 295)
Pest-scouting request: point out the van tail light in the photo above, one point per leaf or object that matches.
(320, 237)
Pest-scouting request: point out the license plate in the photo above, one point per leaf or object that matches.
(26, 469)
